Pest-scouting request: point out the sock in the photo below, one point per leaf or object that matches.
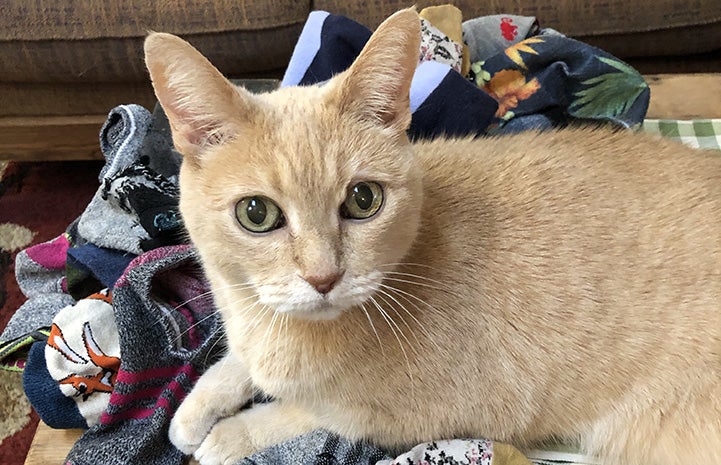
(43, 392)
(121, 137)
(442, 101)
(82, 354)
(89, 269)
(488, 36)
(163, 352)
(135, 208)
(449, 20)
(14, 353)
(39, 271)
(318, 447)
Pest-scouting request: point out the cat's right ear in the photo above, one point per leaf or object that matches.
(202, 106)
(376, 87)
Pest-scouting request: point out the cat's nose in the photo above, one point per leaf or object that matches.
(324, 283)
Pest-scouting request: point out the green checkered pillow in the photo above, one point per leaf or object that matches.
(701, 133)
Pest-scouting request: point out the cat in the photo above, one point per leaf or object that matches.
(560, 284)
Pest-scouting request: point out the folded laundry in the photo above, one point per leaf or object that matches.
(443, 102)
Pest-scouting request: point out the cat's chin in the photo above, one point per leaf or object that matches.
(315, 311)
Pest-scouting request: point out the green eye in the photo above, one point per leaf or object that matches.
(259, 214)
(363, 201)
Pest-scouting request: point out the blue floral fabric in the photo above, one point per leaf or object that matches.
(546, 80)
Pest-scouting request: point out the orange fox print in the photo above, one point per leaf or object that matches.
(102, 381)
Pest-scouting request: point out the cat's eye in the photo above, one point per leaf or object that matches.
(363, 201)
(259, 214)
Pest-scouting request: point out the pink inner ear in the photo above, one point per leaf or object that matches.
(195, 131)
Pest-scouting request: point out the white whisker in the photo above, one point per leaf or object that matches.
(380, 344)
(215, 312)
(406, 264)
(411, 275)
(390, 305)
(414, 283)
(388, 320)
(402, 292)
(238, 286)
(423, 329)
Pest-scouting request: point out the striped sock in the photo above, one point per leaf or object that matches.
(163, 349)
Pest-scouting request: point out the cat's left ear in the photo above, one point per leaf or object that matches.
(376, 87)
(202, 106)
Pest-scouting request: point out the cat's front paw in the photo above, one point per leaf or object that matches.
(227, 443)
(189, 428)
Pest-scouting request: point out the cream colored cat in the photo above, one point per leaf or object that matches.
(561, 284)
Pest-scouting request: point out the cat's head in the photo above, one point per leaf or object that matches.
(304, 196)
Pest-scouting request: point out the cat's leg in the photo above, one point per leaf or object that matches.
(687, 431)
(220, 392)
(251, 430)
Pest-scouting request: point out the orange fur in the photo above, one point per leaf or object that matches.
(560, 284)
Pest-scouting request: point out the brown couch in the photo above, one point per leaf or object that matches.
(64, 64)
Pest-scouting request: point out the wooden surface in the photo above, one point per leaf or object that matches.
(51, 446)
(50, 138)
(683, 96)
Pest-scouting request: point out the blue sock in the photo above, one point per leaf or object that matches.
(90, 268)
(53, 407)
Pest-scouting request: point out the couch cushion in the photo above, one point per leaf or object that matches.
(71, 99)
(71, 41)
(679, 26)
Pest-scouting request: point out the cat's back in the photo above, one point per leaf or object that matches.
(583, 179)
(584, 219)
(568, 161)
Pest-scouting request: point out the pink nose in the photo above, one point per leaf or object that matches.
(324, 283)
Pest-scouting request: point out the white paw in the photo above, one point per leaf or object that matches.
(227, 443)
(188, 428)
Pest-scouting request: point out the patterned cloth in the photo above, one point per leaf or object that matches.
(700, 133)
(544, 81)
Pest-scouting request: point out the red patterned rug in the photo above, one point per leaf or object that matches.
(37, 202)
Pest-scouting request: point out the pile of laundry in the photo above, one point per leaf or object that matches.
(119, 322)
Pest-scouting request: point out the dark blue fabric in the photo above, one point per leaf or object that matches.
(442, 113)
(565, 81)
(53, 407)
(90, 268)
(455, 108)
(341, 40)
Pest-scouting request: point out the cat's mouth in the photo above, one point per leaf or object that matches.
(302, 303)
(319, 309)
